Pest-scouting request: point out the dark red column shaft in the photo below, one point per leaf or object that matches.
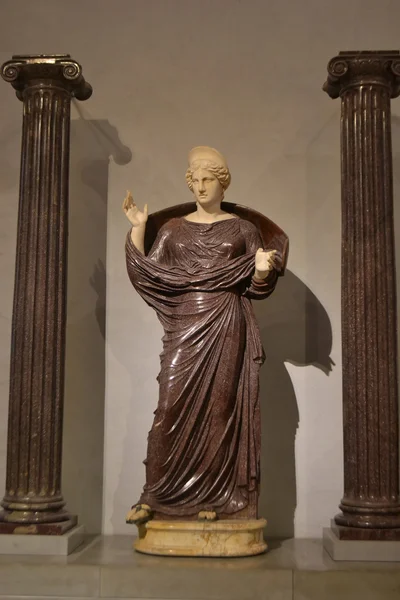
(45, 85)
(366, 82)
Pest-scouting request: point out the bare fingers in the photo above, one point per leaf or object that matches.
(128, 202)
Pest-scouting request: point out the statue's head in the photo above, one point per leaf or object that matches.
(208, 175)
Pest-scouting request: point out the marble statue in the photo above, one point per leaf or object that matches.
(203, 269)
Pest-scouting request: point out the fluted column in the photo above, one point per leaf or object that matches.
(45, 84)
(366, 82)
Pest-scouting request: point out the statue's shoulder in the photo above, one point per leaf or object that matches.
(172, 223)
(159, 225)
(272, 235)
(169, 225)
(247, 227)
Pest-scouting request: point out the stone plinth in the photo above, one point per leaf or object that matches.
(202, 538)
(24, 541)
(359, 550)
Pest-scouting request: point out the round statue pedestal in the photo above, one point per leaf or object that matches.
(202, 538)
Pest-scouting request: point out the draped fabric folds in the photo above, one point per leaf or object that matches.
(204, 445)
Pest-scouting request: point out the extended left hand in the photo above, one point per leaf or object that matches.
(265, 262)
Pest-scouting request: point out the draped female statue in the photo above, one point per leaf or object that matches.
(203, 268)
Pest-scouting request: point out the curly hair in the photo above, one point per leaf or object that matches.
(221, 173)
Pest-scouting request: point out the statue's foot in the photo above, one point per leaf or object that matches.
(139, 514)
(207, 515)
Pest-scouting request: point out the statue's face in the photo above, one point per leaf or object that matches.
(206, 188)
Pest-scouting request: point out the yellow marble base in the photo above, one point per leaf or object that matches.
(202, 538)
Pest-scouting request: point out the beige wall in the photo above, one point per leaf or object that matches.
(245, 77)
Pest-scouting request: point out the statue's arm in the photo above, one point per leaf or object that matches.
(137, 237)
(265, 274)
(262, 288)
(137, 219)
(264, 263)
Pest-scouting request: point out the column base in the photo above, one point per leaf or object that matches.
(358, 549)
(360, 533)
(366, 528)
(53, 545)
(228, 537)
(37, 528)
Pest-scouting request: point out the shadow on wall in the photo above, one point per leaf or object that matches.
(92, 145)
(295, 328)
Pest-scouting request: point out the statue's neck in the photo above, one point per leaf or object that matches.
(209, 213)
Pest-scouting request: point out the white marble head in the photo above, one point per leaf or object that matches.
(204, 158)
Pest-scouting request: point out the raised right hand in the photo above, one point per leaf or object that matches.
(136, 217)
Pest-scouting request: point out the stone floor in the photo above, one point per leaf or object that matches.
(106, 567)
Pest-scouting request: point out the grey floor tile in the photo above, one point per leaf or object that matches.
(107, 567)
(346, 585)
(68, 598)
(49, 580)
(34, 597)
(197, 584)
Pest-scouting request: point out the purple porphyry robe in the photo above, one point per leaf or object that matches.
(204, 445)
